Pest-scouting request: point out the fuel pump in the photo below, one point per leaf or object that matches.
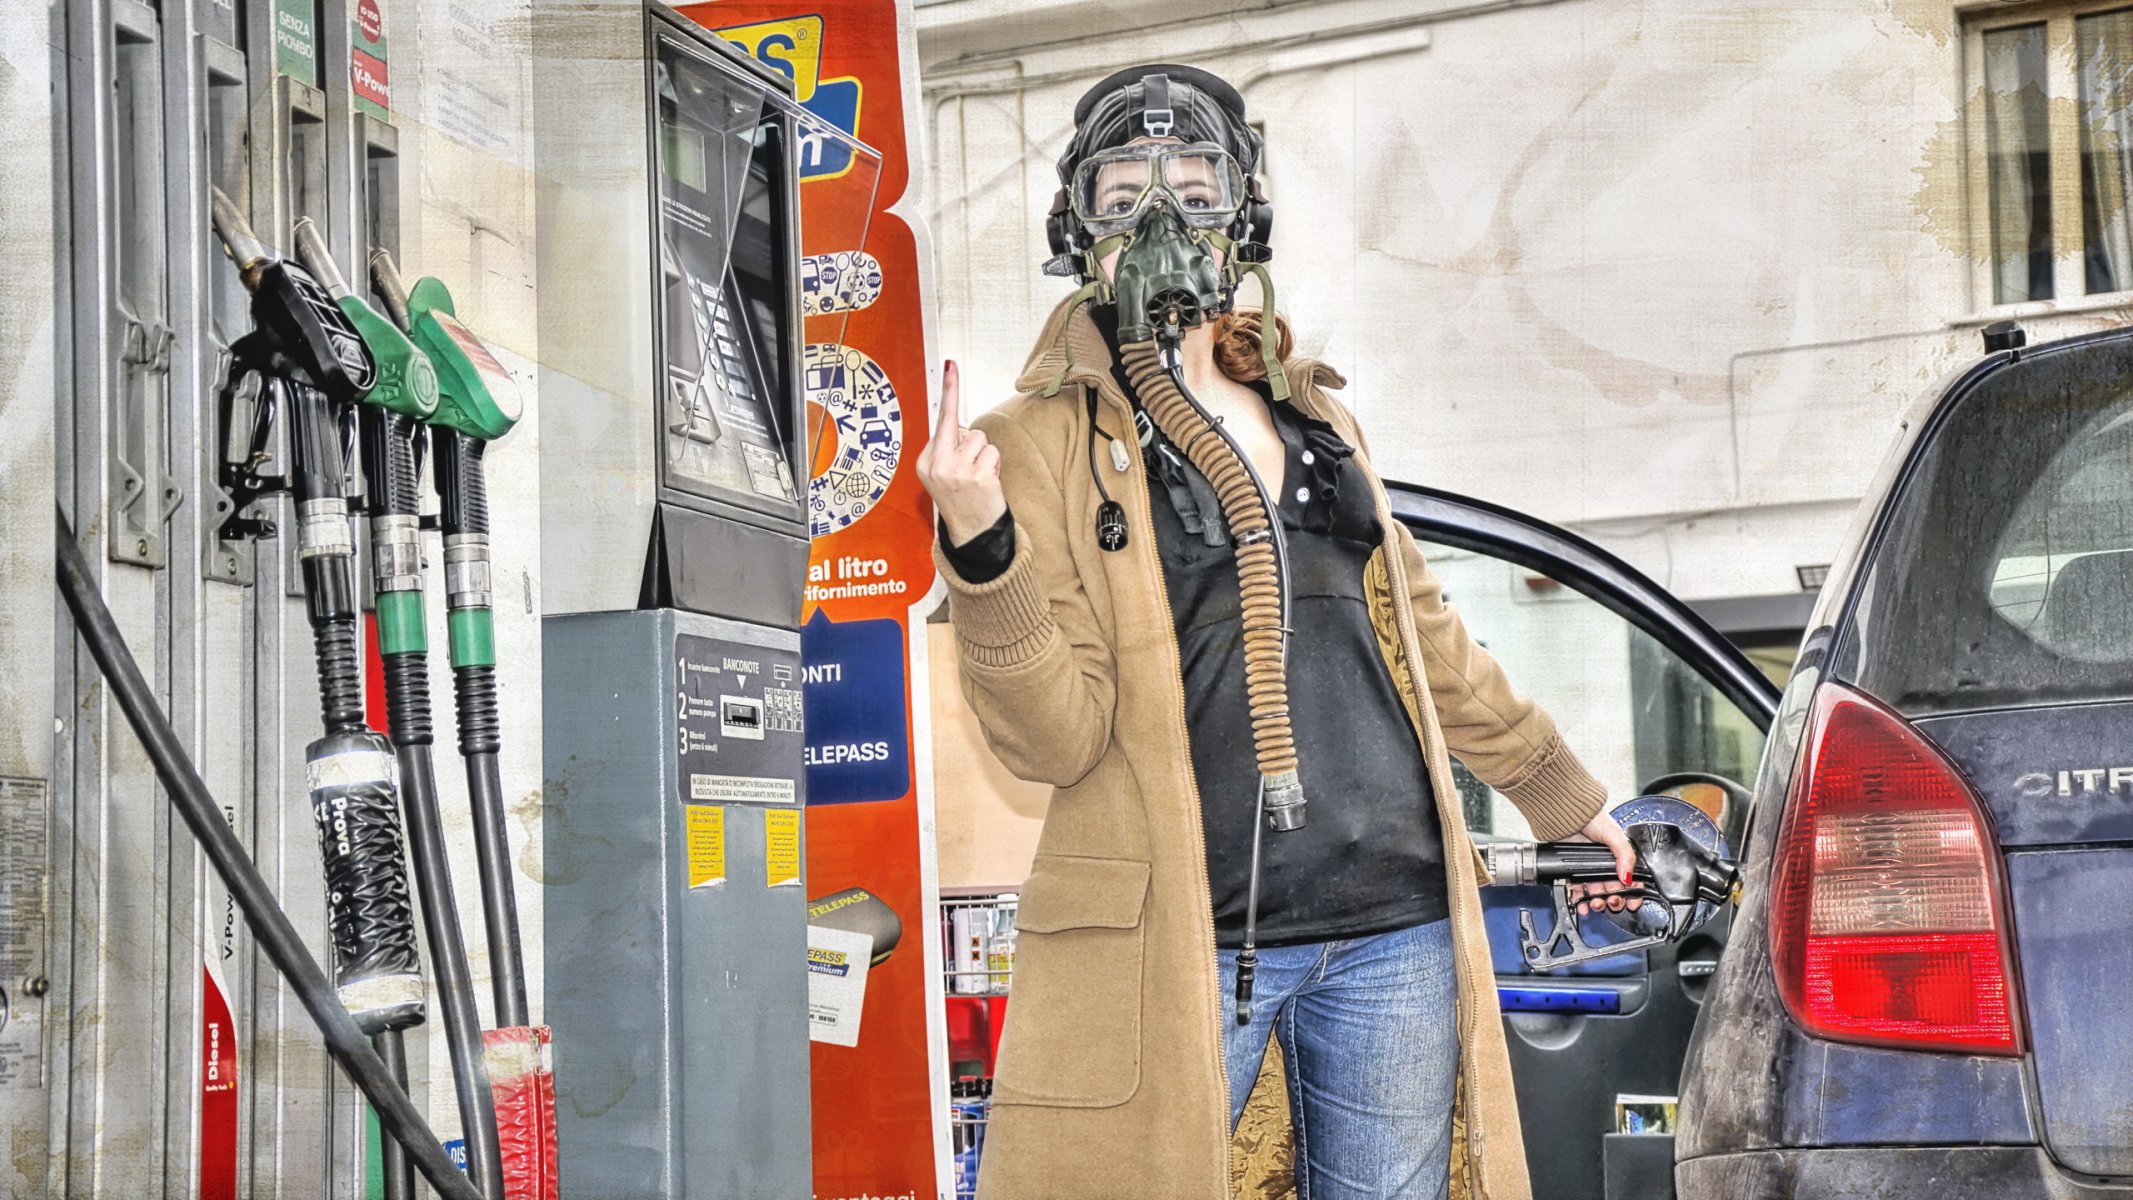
(307, 357)
(390, 421)
(674, 532)
(1684, 874)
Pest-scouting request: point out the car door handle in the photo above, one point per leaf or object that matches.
(1696, 968)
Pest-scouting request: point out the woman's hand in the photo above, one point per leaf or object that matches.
(960, 468)
(1595, 897)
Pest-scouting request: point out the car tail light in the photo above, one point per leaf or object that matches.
(1888, 924)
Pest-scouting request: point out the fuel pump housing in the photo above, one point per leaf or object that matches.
(674, 554)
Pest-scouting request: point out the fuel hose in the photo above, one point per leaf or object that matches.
(301, 343)
(403, 377)
(477, 403)
(350, 771)
(463, 497)
(397, 1115)
(390, 428)
(389, 461)
(308, 356)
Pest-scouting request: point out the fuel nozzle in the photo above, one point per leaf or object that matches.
(406, 381)
(476, 395)
(1683, 876)
(242, 245)
(300, 332)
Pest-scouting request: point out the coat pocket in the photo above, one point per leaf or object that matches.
(1073, 1037)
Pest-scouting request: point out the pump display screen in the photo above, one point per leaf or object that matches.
(726, 238)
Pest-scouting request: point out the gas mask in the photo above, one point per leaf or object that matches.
(1160, 170)
(1182, 218)
(1166, 279)
(1165, 207)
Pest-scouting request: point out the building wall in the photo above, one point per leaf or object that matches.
(459, 75)
(1667, 272)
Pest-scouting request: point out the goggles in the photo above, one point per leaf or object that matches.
(1112, 190)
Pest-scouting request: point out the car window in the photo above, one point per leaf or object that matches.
(2061, 568)
(2005, 575)
(1632, 710)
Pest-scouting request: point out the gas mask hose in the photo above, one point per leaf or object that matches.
(1262, 575)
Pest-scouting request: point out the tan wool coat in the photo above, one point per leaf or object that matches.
(1110, 1081)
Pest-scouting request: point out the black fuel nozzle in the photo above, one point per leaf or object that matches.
(1679, 868)
(1679, 880)
(299, 331)
(1669, 862)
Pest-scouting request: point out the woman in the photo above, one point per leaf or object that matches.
(1094, 577)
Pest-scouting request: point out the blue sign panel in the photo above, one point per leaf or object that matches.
(857, 748)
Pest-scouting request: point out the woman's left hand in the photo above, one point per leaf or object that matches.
(1594, 897)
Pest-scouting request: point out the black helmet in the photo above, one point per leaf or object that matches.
(1161, 100)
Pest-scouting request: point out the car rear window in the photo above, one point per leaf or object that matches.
(2005, 574)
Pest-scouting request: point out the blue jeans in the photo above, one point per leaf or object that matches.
(1370, 1031)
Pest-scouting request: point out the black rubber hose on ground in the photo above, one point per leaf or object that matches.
(344, 1041)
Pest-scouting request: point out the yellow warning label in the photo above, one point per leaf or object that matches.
(781, 847)
(707, 845)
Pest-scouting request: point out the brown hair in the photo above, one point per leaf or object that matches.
(1237, 350)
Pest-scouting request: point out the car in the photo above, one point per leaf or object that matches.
(1925, 992)
(1921, 992)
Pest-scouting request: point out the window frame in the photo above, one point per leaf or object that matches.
(2062, 83)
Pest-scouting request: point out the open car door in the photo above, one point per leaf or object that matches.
(1652, 699)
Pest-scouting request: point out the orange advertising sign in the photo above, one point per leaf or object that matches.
(866, 377)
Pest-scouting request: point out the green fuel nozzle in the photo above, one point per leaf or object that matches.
(406, 380)
(478, 397)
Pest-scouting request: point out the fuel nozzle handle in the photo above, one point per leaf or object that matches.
(405, 380)
(300, 332)
(1669, 862)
